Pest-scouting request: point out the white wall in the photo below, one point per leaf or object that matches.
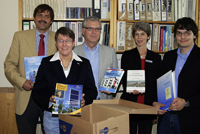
(8, 26)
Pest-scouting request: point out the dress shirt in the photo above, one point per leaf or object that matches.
(181, 59)
(93, 57)
(37, 39)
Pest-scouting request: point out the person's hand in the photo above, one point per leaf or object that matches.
(52, 98)
(28, 85)
(177, 104)
(135, 92)
(158, 105)
(106, 92)
(83, 100)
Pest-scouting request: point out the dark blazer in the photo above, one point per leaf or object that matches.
(131, 61)
(188, 88)
(50, 73)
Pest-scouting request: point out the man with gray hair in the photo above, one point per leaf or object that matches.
(101, 57)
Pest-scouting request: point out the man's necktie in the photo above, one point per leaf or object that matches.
(41, 46)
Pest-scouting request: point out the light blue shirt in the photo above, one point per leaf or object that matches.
(37, 39)
(93, 57)
(181, 59)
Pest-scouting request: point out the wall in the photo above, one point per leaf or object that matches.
(8, 26)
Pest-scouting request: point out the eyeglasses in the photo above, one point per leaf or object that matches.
(66, 41)
(187, 33)
(91, 29)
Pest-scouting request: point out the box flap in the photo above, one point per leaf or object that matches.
(127, 106)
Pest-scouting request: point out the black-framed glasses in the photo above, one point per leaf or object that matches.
(91, 29)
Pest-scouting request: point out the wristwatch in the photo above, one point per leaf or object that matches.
(187, 103)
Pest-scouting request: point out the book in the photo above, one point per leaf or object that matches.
(111, 80)
(122, 12)
(155, 37)
(96, 8)
(149, 10)
(136, 10)
(67, 99)
(170, 11)
(121, 33)
(31, 65)
(142, 10)
(26, 25)
(129, 40)
(104, 9)
(163, 10)
(130, 9)
(135, 80)
(156, 10)
(149, 43)
(166, 90)
(79, 38)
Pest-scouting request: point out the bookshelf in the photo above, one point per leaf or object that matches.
(197, 20)
(113, 21)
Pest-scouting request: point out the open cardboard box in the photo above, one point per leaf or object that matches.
(103, 117)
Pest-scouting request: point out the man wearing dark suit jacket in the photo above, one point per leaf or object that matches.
(26, 44)
(184, 116)
(101, 57)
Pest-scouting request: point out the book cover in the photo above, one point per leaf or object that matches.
(149, 10)
(130, 6)
(163, 10)
(143, 10)
(31, 65)
(129, 40)
(155, 37)
(166, 91)
(136, 10)
(111, 80)
(135, 80)
(67, 99)
(121, 33)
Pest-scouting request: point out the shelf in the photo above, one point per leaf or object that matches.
(160, 22)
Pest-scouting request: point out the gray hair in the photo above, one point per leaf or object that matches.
(144, 26)
(91, 18)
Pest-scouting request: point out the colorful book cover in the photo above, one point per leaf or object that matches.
(111, 80)
(166, 91)
(31, 65)
(136, 80)
(67, 99)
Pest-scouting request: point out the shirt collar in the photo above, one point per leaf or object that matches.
(186, 55)
(57, 57)
(37, 33)
(96, 48)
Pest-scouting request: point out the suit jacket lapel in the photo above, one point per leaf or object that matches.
(31, 41)
(101, 60)
(192, 57)
(51, 43)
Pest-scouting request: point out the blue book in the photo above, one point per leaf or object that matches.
(67, 99)
(166, 90)
(31, 65)
(111, 80)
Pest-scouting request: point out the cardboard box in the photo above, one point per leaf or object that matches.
(103, 117)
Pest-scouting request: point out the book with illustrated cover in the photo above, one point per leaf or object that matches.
(31, 65)
(111, 80)
(67, 99)
(166, 91)
(135, 80)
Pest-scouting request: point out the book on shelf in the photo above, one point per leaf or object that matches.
(32, 24)
(156, 10)
(31, 65)
(96, 8)
(111, 80)
(136, 9)
(149, 10)
(121, 33)
(163, 10)
(102, 33)
(129, 40)
(26, 25)
(130, 7)
(104, 9)
(122, 11)
(155, 37)
(166, 90)
(79, 38)
(67, 99)
(170, 11)
(143, 10)
(135, 80)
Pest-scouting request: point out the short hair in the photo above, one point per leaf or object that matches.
(44, 7)
(66, 32)
(91, 18)
(186, 23)
(144, 26)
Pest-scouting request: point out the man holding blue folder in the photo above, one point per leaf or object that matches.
(183, 116)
